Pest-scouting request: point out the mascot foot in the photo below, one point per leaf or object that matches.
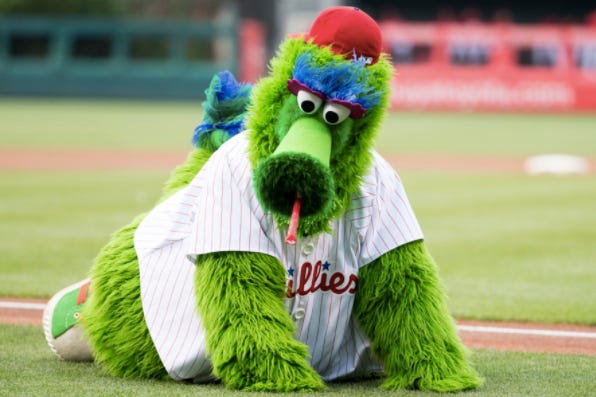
(281, 369)
(61, 325)
(285, 378)
(466, 380)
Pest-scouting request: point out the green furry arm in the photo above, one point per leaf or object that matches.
(249, 334)
(400, 305)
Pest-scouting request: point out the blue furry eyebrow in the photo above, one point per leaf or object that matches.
(344, 81)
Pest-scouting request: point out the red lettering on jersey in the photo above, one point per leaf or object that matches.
(312, 278)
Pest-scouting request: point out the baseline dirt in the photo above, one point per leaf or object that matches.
(63, 160)
(21, 316)
(510, 336)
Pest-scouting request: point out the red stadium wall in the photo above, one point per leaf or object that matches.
(478, 66)
(252, 53)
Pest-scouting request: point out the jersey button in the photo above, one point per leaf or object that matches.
(307, 249)
(299, 313)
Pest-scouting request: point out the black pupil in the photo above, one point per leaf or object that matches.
(308, 106)
(331, 117)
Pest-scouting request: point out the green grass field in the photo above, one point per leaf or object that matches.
(509, 246)
(27, 368)
(33, 123)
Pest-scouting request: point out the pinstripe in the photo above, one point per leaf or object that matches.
(178, 323)
(162, 269)
(163, 295)
(397, 210)
(394, 224)
(335, 326)
(326, 347)
(182, 354)
(168, 330)
(219, 211)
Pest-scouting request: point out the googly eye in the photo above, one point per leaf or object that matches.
(308, 102)
(334, 113)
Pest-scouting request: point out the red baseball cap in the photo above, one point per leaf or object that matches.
(349, 31)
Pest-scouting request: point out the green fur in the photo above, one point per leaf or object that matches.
(113, 316)
(401, 306)
(213, 140)
(282, 176)
(349, 165)
(240, 298)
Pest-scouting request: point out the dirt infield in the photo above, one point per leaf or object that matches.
(71, 159)
(530, 337)
(21, 311)
(64, 159)
(548, 338)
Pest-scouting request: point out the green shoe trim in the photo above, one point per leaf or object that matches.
(67, 311)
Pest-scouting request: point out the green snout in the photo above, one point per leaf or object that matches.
(308, 136)
(299, 167)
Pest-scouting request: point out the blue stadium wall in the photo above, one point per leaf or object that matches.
(113, 58)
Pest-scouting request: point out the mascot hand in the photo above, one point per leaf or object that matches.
(262, 359)
(464, 379)
(240, 298)
(400, 304)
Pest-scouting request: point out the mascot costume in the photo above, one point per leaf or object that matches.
(284, 252)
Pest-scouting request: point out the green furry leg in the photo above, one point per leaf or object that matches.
(113, 316)
(249, 334)
(400, 305)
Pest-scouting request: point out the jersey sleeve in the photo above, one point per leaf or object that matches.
(213, 213)
(392, 221)
(228, 217)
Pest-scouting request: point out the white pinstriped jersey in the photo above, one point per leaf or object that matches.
(218, 211)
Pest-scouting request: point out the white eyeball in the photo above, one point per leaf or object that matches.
(308, 102)
(334, 113)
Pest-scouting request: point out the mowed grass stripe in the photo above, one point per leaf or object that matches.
(125, 125)
(27, 367)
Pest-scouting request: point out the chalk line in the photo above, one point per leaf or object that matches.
(5, 304)
(524, 331)
(22, 305)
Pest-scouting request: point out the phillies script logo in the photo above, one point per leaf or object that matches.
(313, 278)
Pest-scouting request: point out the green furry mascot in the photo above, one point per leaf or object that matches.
(284, 252)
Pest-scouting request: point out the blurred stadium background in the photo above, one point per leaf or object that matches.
(480, 87)
(501, 55)
(99, 98)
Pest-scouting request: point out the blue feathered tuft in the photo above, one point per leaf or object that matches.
(337, 80)
(224, 111)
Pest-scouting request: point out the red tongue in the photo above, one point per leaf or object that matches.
(294, 218)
